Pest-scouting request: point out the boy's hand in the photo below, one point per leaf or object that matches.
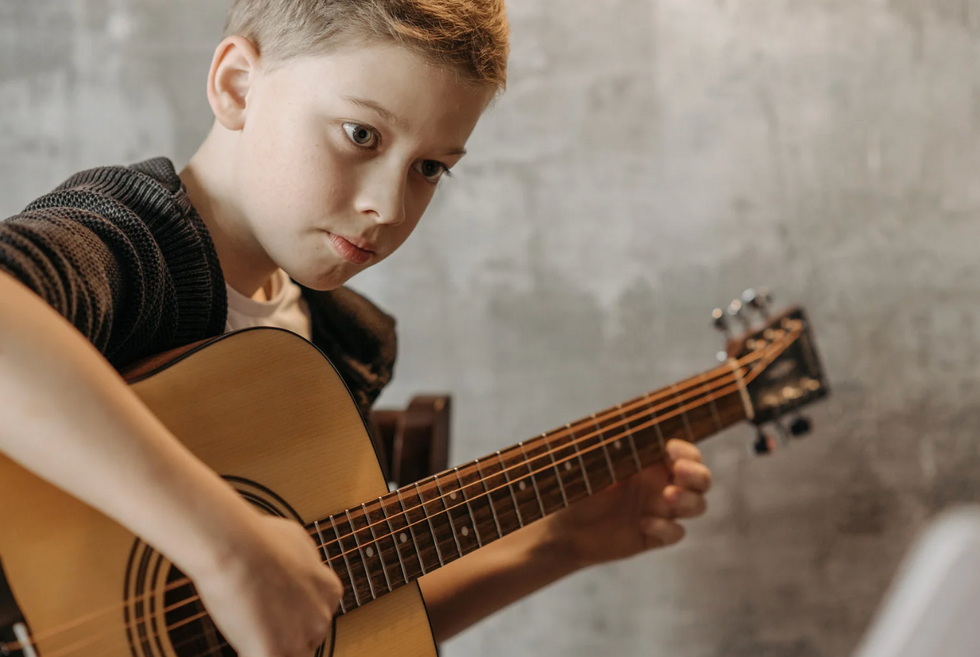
(637, 514)
(273, 597)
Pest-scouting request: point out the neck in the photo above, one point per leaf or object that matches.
(389, 542)
(210, 184)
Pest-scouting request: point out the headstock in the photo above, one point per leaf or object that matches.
(782, 370)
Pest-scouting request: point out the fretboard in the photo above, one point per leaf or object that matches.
(393, 540)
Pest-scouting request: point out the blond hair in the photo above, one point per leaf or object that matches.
(468, 36)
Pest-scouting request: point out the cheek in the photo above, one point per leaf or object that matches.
(293, 174)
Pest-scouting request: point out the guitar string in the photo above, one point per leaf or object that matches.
(184, 581)
(673, 400)
(82, 643)
(180, 582)
(789, 337)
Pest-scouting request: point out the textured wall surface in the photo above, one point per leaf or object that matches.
(650, 160)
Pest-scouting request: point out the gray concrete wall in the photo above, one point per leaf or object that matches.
(650, 160)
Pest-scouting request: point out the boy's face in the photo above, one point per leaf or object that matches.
(340, 155)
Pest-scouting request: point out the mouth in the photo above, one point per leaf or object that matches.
(352, 249)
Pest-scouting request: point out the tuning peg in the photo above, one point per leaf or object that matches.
(721, 322)
(764, 443)
(758, 299)
(800, 426)
(737, 310)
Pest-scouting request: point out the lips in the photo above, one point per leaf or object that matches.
(346, 249)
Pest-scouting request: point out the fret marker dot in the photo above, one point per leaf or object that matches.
(370, 552)
(618, 444)
(522, 486)
(466, 531)
(452, 496)
(403, 537)
(568, 465)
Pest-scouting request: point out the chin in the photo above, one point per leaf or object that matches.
(322, 282)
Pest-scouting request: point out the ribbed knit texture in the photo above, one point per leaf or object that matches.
(121, 253)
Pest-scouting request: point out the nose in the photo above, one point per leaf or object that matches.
(382, 194)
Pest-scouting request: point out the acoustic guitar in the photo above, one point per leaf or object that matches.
(265, 409)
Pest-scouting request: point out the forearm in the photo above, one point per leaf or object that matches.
(470, 589)
(69, 418)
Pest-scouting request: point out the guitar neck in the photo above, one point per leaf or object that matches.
(393, 540)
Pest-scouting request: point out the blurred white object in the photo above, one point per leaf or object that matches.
(933, 607)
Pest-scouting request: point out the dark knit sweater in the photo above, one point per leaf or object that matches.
(121, 253)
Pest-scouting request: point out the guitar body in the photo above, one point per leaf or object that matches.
(266, 410)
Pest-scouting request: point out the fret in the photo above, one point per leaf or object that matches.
(343, 551)
(534, 479)
(645, 428)
(486, 496)
(418, 507)
(605, 448)
(730, 408)
(629, 434)
(416, 531)
(569, 471)
(554, 464)
(379, 546)
(391, 536)
(367, 571)
(694, 410)
(672, 427)
(516, 472)
(574, 444)
(410, 555)
(614, 432)
(459, 517)
(710, 394)
(469, 508)
(681, 405)
(505, 512)
(473, 489)
(446, 545)
(596, 467)
(510, 489)
(658, 429)
(340, 572)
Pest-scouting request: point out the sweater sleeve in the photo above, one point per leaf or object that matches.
(104, 277)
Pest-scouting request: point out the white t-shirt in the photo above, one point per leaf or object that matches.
(287, 308)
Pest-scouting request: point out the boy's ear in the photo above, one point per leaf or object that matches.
(233, 68)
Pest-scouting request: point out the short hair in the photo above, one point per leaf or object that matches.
(468, 36)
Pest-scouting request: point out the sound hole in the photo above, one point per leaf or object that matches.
(183, 620)
(191, 630)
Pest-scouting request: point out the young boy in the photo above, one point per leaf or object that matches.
(334, 122)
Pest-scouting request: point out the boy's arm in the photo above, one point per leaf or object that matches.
(69, 418)
(636, 515)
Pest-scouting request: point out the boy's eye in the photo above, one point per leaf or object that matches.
(432, 170)
(361, 135)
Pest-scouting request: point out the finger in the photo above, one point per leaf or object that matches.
(684, 503)
(692, 476)
(681, 449)
(658, 532)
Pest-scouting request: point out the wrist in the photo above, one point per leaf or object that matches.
(227, 532)
(557, 547)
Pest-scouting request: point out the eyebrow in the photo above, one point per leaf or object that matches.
(391, 118)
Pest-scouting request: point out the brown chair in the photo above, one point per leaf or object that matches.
(413, 443)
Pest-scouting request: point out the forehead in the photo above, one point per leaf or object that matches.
(411, 93)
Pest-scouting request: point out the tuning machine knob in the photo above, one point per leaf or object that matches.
(758, 299)
(800, 426)
(764, 443)
(736, 310)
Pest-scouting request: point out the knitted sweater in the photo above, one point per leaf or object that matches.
(121, 253)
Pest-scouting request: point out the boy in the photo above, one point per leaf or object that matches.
(334, 122)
